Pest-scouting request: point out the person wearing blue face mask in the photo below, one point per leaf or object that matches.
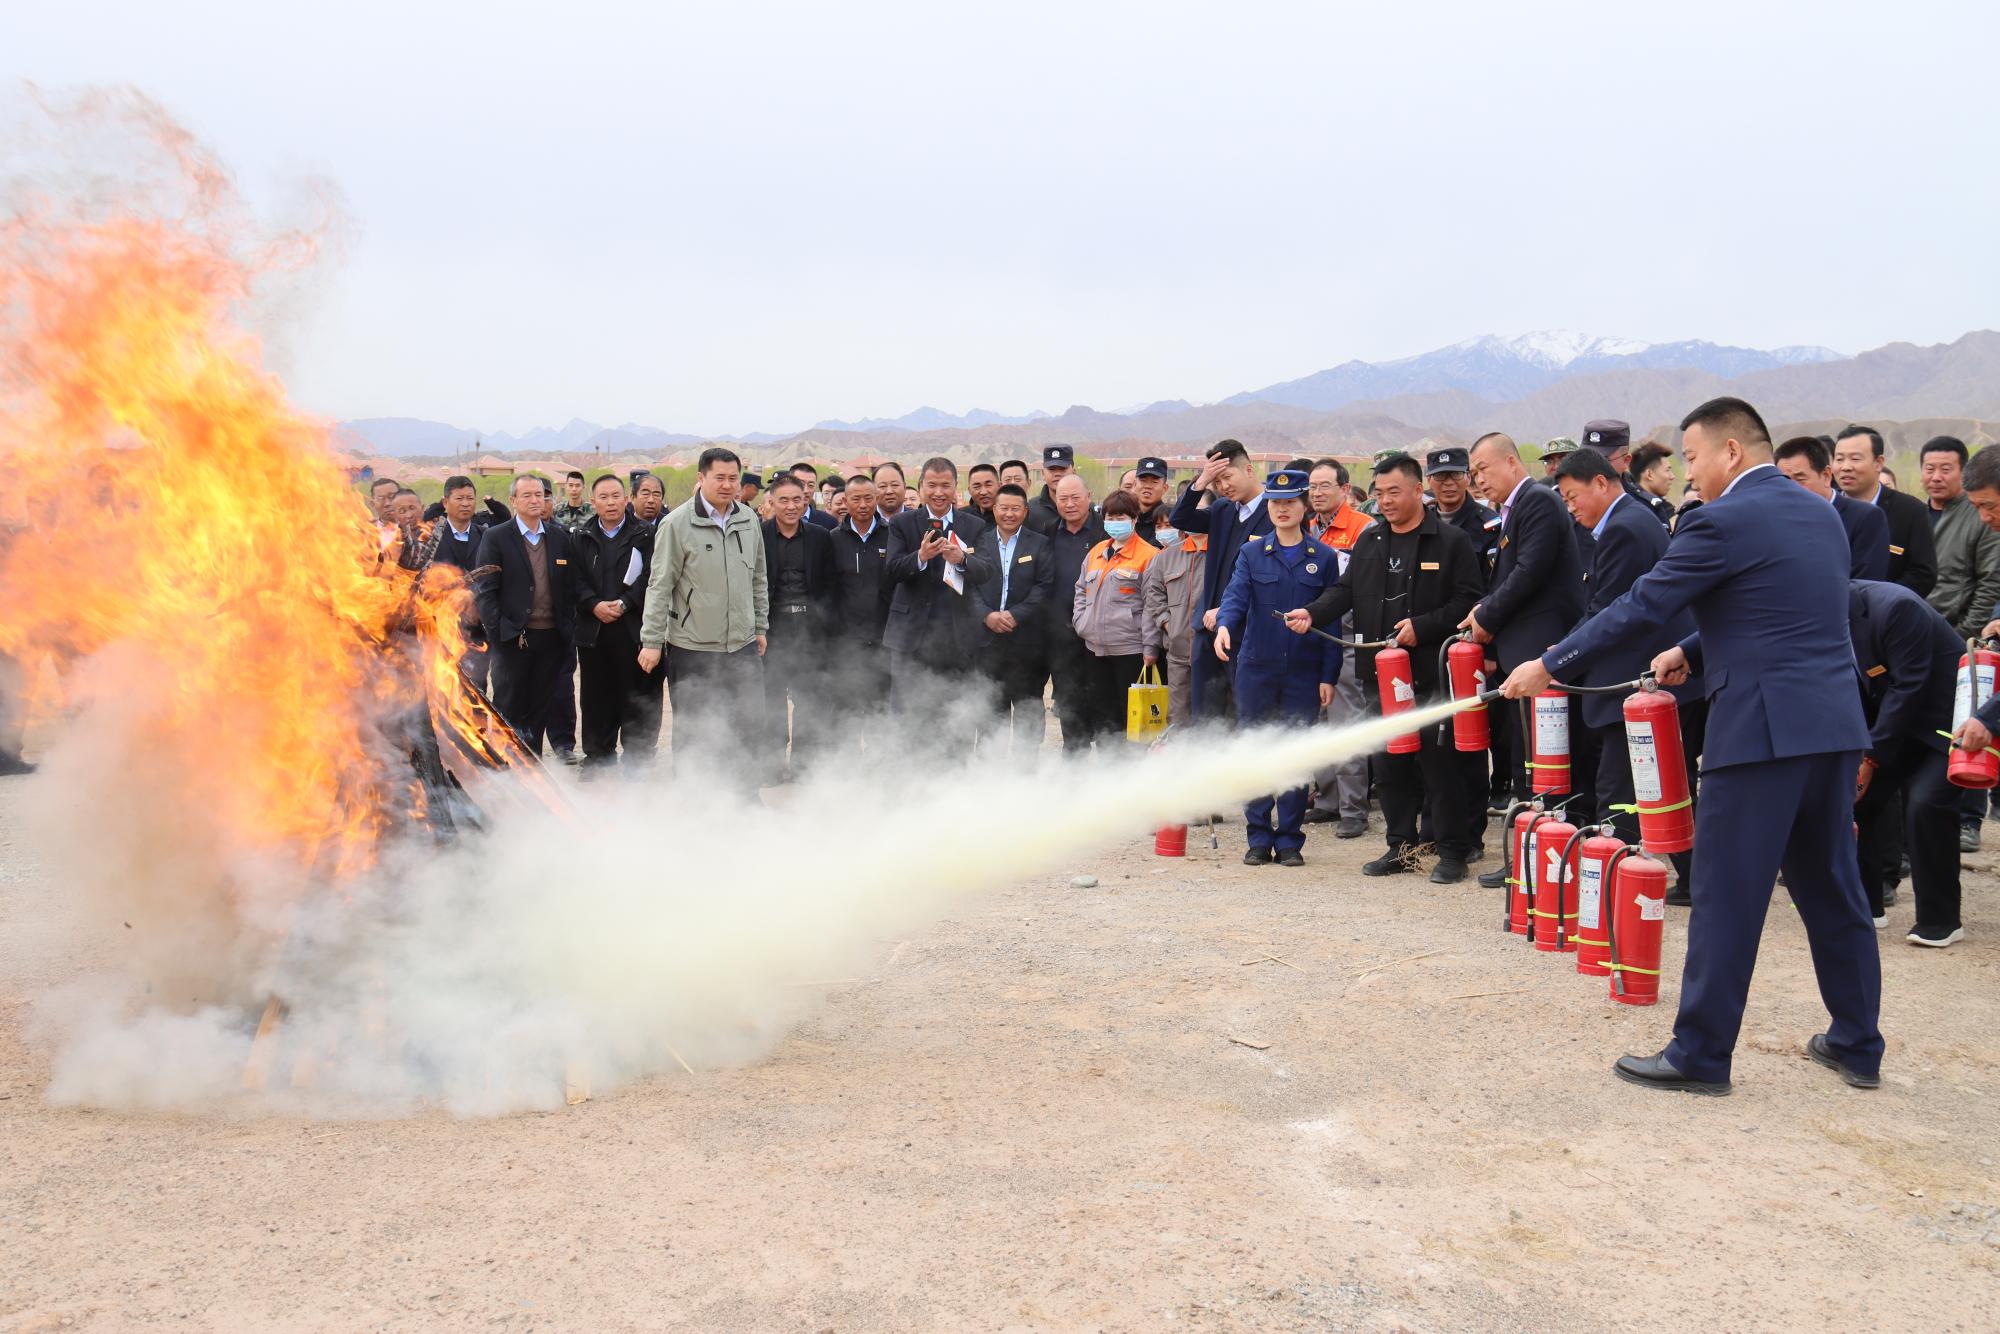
(1109, 613)
(1280, 677)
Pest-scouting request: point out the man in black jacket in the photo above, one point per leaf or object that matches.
(458, 547)
(798, 560)
(1058, 461)
(1073, 670)
(1011, 605)
(527, 606)
(861, 601)
(931, 633)
(1857, 467)
(1411, 578)
(621, 701)
(1907, 655)
(1536, 592)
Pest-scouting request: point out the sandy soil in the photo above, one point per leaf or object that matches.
(1034, 1116)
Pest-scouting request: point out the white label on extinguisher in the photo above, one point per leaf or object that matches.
(1552, 727)
(1525, 872)
(1963, 706)
(1405, 692)
(1555, 874)
(1590, 893)
(1645, 760)
(1651, 910)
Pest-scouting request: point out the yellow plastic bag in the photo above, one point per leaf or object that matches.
(1146, 706)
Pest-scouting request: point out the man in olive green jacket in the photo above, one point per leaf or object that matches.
(708, 606)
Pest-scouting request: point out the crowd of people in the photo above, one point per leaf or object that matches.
(776, 611)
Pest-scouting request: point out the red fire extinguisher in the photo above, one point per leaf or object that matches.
(1515, 916)
(1465, 670)
(1553, 907)
(1659, 772)
(1638, 918)
(1973, 768)
(1398, 691)
(1597, 861)
(1548, 743)
(1522, 883)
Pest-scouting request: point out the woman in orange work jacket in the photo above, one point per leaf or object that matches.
(1110, 614)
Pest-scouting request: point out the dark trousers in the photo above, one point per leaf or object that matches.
(1912, 777)
(1273, 697)
(525, 681)
(794, 671)
(561, 726)
(1971, 809)
(477, 667)
(1214, 680)
(620, 703)
(937, 682)
(1504, 726)
(1018, 667)
(1792, 815)
(1073, 670)
(710, 692)
(1402, 783)
(1110, 677)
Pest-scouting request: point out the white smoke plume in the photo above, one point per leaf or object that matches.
(482, 977)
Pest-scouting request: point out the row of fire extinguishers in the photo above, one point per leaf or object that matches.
(1574, 890)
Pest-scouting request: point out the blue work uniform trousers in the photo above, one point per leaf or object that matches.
(1273, 695)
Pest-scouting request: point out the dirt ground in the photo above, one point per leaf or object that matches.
(1036, 1115)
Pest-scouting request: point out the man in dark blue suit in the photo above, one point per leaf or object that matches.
(1536, 591)
(1627, 542)
(1234, 517)
(1806, 460)
(1760, 568)
(1908, 657)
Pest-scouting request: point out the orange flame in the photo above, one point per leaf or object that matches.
(184, 522)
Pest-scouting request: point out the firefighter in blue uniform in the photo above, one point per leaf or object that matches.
(1280, 676)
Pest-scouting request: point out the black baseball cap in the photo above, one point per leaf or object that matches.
(1063, 454)
(1151, 467)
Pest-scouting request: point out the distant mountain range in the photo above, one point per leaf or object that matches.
(1533, 386)
(1505, 369)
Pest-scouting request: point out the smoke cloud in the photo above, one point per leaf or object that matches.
(671, 924)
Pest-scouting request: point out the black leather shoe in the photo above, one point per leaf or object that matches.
(1393, 862)
(14, 764)
(1678, 896)
(1493, 879)
(1351, 826)
(1817, 1049)
(1257, 857)
(1448, 871)
(1320, 815)
(1657, 1072)
(1291, 857)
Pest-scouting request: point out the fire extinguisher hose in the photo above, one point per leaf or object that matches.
(1345, 643)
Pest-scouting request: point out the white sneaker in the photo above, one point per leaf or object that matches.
(1881, 921)
(1934, 938)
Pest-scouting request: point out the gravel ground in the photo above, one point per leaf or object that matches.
(1038, 1115)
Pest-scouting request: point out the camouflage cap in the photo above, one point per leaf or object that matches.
(1559, 446)
(1382, 456)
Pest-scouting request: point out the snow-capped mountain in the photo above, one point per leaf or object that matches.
(1504, 369)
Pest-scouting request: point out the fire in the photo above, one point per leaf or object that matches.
(177, 520)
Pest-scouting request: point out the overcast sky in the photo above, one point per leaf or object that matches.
(733, 217)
